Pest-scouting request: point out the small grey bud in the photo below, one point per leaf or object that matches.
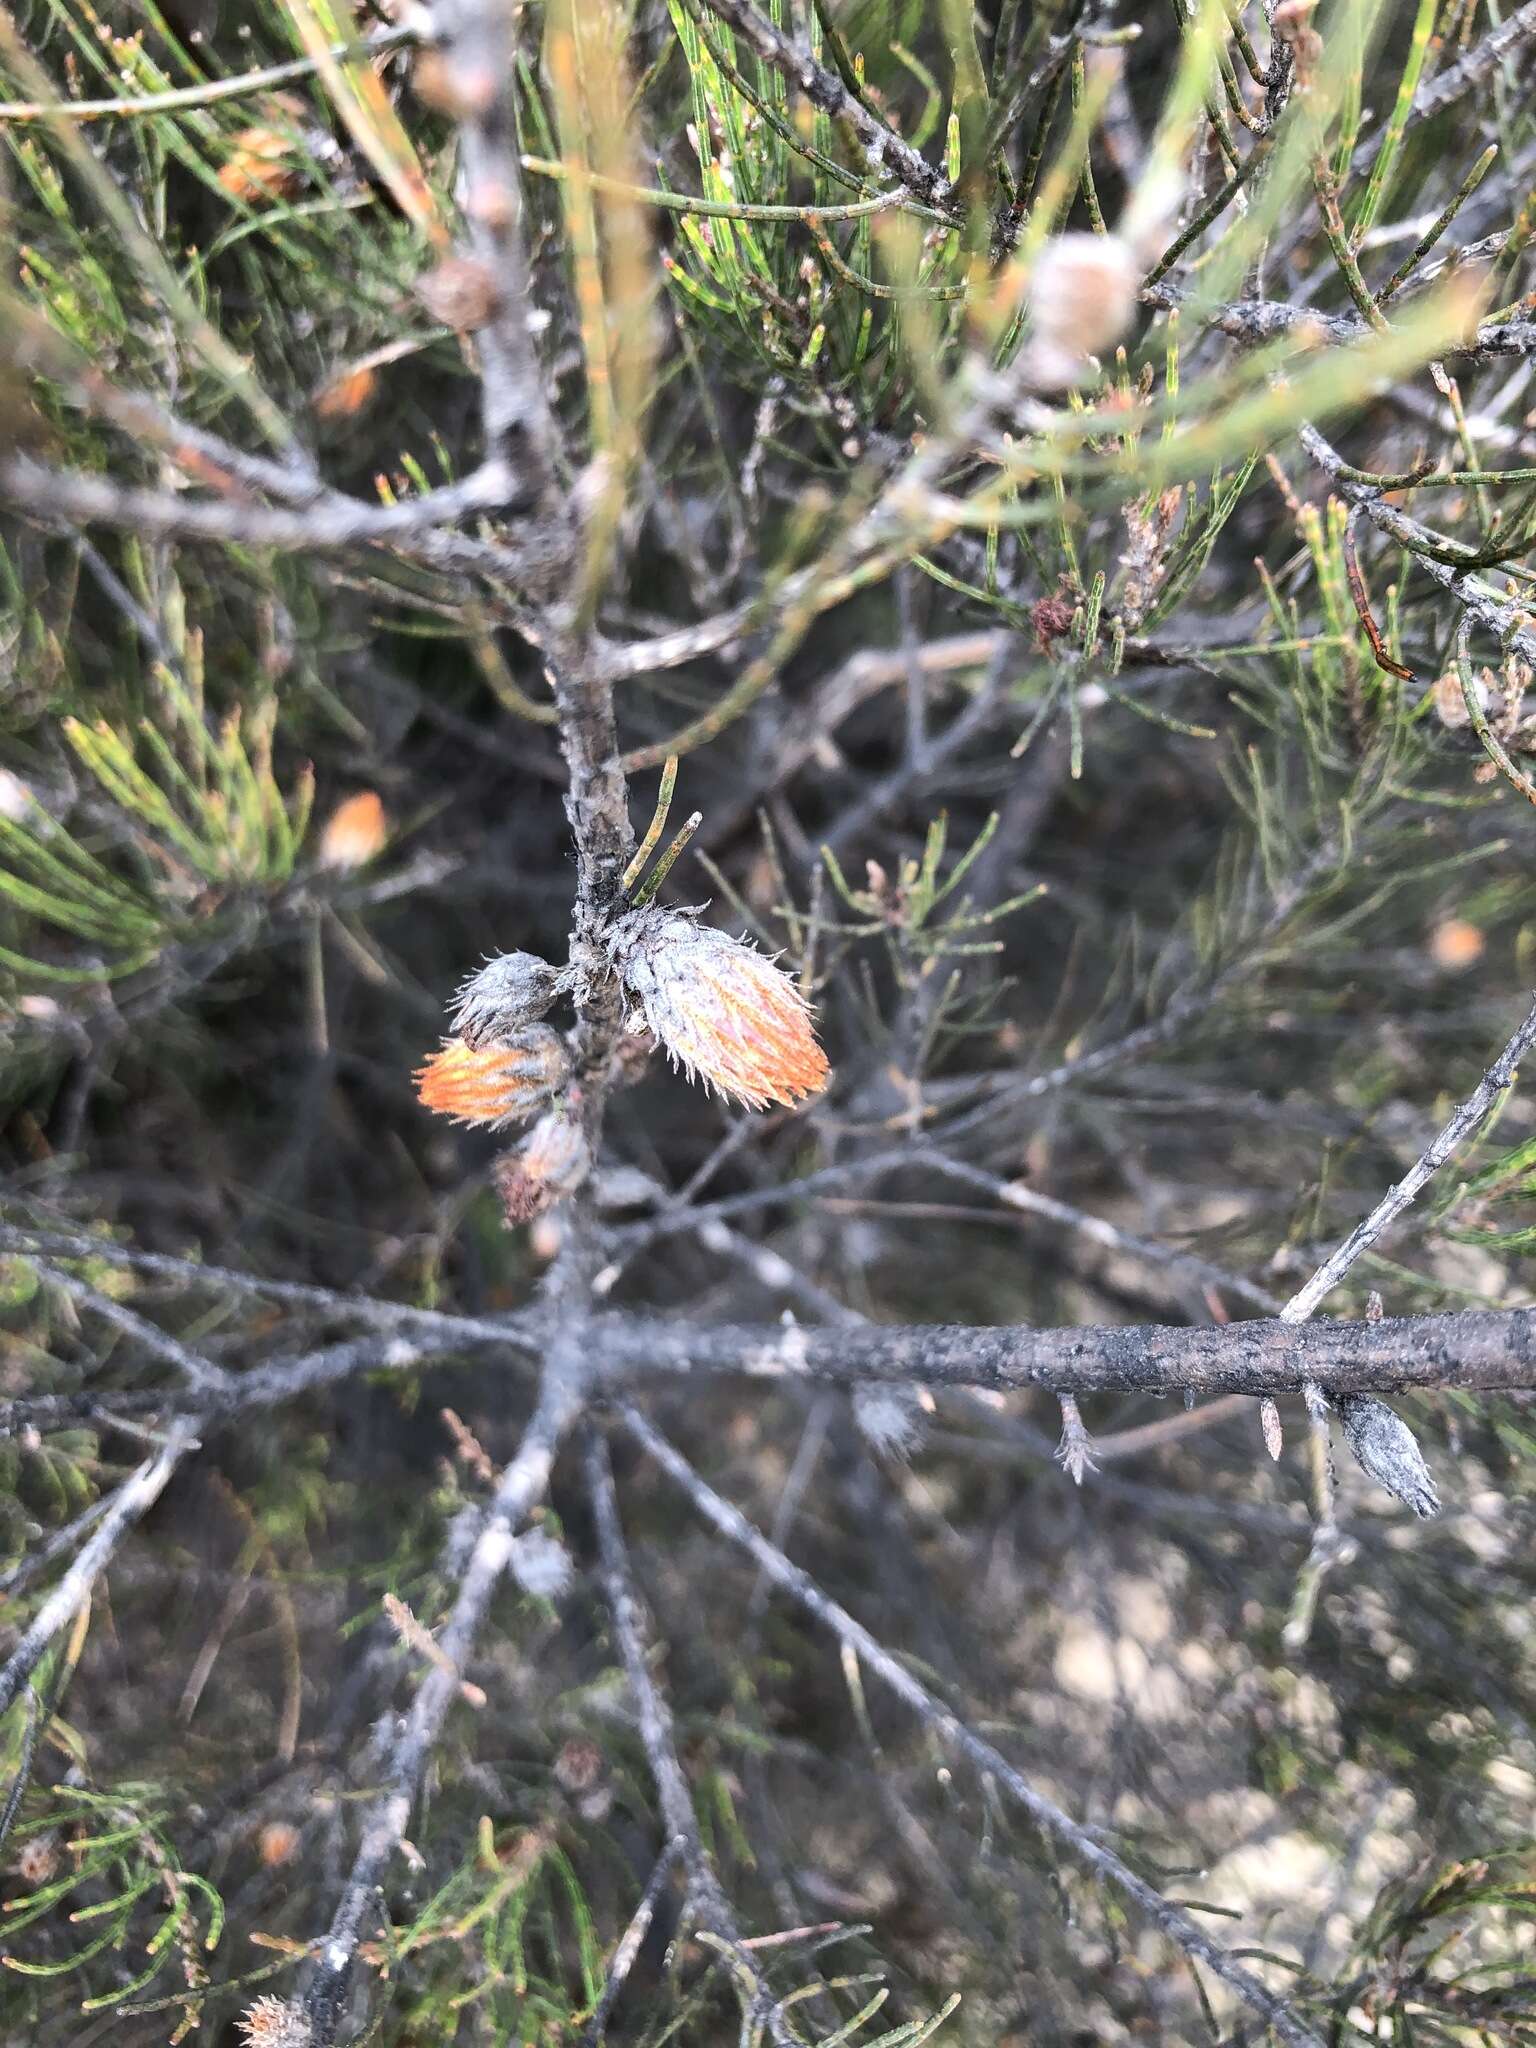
(507, 994)
(1074, 1454)
(1387, 1449)
(889, 1416)
(1269, 1421)
(541, 1564)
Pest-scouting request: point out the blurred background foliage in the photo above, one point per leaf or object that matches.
(1110, 759)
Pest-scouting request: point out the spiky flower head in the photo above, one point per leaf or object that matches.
(551, 1162)
(495, 1084)
(506, 995)
(275, 2023)
(726, 1013)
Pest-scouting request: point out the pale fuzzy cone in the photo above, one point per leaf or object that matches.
(494, 1084)
(541, 1564)
(550, 1163)
(1451, 699)
(725, 1013)
(506, 995)
(1082, 299)
(1152, 213)
(37, 1860)
(461, 292)
(890, 1417)
(16, 798)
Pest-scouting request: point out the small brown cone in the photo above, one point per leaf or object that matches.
(461, 293)
(550, 1163)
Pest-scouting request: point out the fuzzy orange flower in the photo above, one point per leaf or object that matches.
(725, 1012)
(354, 832)
(262, 167)
(494, 1084)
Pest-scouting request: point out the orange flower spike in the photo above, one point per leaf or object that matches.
(355, 831)
(494, 1084)
(725, 1012)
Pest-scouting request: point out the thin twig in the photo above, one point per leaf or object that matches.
(706, 1903)
(884, 151)
(629, 1944)
(137, 1493)
(1464, 1120)
(212, 89)
(522, 1486)
(1170, 1919)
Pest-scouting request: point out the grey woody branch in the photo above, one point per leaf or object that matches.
(1258, 320)
(474, 42)
(1472, 1350)
(334, 523)
(1475, 67)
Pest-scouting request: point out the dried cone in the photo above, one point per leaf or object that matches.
(725, 1013)
(37, 1860)
(494, 1084)
(278, 1843)
(507, 994)
(550, 1163)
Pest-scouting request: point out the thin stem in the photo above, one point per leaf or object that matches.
(204, 95)
(938, 1719)
(706, 1903)
(136, 1494)
(652, 883)
(657, 826)
(521, 1487)
(1464, 1121)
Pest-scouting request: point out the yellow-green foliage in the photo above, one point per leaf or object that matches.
(195, 818)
